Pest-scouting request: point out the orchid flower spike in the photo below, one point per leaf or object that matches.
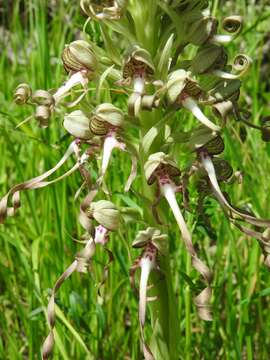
(183, 91)
(80, 60)
(162, 169)
(138, 68)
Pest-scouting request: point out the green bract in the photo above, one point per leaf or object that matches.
(200, 31)
(208, 57)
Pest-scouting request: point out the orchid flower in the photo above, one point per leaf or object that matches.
(137, 68)
(182, 90)
(79, 60)
(162, 169)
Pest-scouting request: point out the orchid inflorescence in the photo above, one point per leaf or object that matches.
(146, 58)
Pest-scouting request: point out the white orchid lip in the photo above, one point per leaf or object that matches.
(101, 235)
(110, 143)
(77, 78)
(221, 39)
(139, 84)
(147, 264)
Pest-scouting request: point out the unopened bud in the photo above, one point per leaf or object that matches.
(22, 94)
(42, 115)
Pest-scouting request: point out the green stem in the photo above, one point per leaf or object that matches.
(188, 311)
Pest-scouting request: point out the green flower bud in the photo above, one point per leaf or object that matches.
(77, 124)
(104, 117)
(137, 62)
(208, 57)
(160, 241)
(43, 97)
(22, 94)
(42, 115)
(105, 213)
(78, 56)
(179, 81)
(160, 164)
(201, 30)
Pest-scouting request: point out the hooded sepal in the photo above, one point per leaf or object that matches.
(160, 163)
(105, 213)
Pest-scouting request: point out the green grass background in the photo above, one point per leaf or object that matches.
(37, 245)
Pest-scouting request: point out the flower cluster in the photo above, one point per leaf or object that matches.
(146, 58)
